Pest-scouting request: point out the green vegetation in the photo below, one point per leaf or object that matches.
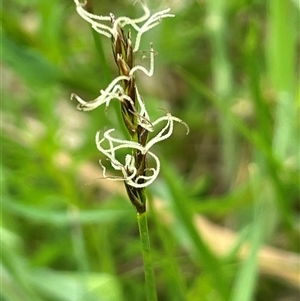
(230, 70)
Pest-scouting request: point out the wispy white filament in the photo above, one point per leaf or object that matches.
(114, 89)
(128, 168)
(109, 31)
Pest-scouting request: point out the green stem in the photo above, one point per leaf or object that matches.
(147, 258)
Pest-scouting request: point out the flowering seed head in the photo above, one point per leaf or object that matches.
(136, 172)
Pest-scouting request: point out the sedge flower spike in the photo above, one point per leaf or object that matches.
(136, 172)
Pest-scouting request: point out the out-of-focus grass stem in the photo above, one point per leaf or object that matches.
(244, 286)
(281, 57)
(281, 51)
(222, 80)
(78, 241)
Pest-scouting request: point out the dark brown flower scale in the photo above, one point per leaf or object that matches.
(124, 58)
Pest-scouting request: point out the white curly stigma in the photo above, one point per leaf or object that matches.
(115, 91)
(127, 168)
(98, 22)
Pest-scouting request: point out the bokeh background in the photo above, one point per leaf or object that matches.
(224, 212)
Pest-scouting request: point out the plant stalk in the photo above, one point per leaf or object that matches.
(147, 257)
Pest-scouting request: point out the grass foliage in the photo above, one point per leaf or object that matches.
(229, 69)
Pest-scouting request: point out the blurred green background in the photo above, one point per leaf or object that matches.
(230, 70)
